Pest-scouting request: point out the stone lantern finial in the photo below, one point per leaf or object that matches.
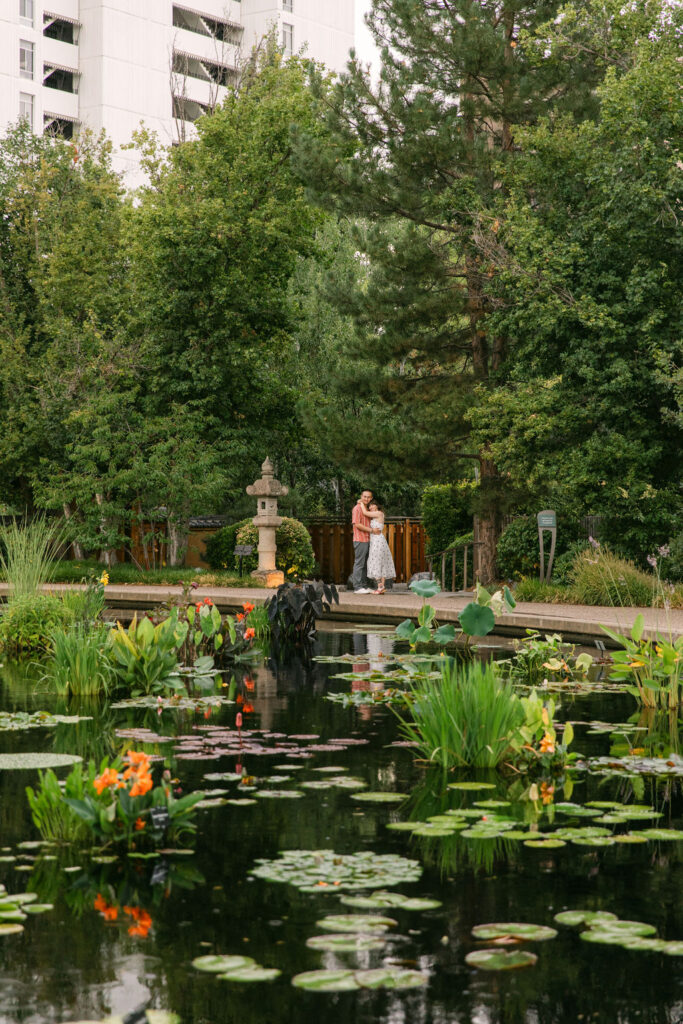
(266, 491)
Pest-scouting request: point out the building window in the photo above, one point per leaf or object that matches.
(288, 5)
(60, 78)
(58, 28)
(60, 127)
(26, 12)
(26, 101)
(26, 54)
(287, 39)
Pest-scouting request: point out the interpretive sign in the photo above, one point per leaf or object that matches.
(243, 551)
(547, 520)
(161, 819)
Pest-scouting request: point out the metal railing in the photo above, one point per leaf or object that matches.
(452, 552)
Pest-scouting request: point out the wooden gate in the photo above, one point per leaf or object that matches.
(333, 547)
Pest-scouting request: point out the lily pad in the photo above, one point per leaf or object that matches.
(335, 782)
(625, 927)
(641, 944)
(250, 974)
(593, 841)
(545, 844)
(38, 908)
(366, 923)
(278, 794)
(391, 978)
(537, 932)
(23, 762)
(382, 898)
(313, 870)
(435, 831)
(244, 801)
(378, 797)
(10, 929)
(630, 838)
(500, 960)
(326, 981)
(667, 835)
(491, 803)
(471, 785)
(589, 917)
(346, 942)
(674, 948)
(577, 810)
(218, 963)
(402, 826)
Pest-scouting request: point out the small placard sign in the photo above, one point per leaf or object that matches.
(547, 521)
(242, 550)
(160, 873)
(161, 819)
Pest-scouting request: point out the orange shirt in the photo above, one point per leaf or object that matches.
(358, 516)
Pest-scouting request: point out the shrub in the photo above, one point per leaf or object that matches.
(602, 578)
(220, 546)
(468, 717)
(28, 623)
(562, 567)
(530, 588)
(80, 660)
(446, 512)
(517, 552)
(672, 565)
(294, 548)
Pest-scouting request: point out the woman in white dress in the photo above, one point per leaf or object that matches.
(380, 566)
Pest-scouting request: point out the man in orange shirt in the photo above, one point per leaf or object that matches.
(361, 543)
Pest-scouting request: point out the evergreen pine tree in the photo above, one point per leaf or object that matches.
(420, 156)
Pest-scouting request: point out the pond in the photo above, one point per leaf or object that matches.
(122, 936)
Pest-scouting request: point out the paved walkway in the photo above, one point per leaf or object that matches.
(574, 621)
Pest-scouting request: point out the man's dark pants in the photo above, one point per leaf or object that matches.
(359, 576)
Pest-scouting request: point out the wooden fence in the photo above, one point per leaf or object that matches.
(333, 547)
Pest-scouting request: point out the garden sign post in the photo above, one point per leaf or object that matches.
(547, 520)
(267, 490)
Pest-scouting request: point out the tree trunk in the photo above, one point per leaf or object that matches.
(178, 534)
(488, 523)
(107, 555)
(76, 546)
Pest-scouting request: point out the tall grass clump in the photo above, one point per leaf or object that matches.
(469, 717)
(52, 816)
(29, 552)
(599, 577)
(81, 661)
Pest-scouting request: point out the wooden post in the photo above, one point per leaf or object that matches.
(464, 584)
(453, 570)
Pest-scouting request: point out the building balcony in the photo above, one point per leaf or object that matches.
(59, 55)
(206, 94)
(207, 47)
(61, 104)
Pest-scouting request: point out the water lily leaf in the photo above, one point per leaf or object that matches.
(336, 782)
(576, 917)
(577, 811)
(17, 762)
(448, 820)
(326, 981)
(662, 834)
(38, 908)
(245, 801)
(544, 844)
(278, 794)
(10, 929)
(391, 978)
(476, 620)
(219, 963)
(639, 943)
(404, 826)
(537, 932)
(382, 898)
(346, 942)
(674, 948)
(500, 960)
(429, 829)
(425, 588)
(471, 785)
(217, 801)
(491, 803)
(332, 768)
(517, 834)
(313, 870)
(630, 837)
(365, 923)
(24, 897)
(620, 927)
(378, 797)
(611, 819)
(249, 974)
(593, 840)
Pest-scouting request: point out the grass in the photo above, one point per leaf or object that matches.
(467, 718)
(603, 580)
(126, 572)
(80, 660)
(28, 555)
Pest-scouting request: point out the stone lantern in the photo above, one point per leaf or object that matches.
(266, 491)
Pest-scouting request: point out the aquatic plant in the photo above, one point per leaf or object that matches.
(293, 610)
(28, 622)
(654, 667)
(144, 655)
(81, 660)
(540, 657)
(477, 618)
(29, 552)
(53, 817)
(468, 717)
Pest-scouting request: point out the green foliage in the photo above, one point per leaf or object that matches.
(28, 553)
(654, 667)
(53, 817)
(672, 564)
(446, 512)
(81, 660)
(144, 655)
(530, 588)
(27, 624)
(477, 618)
(563, 564)
(220, 546)
(127, 572)
(517, 551)
(540, 657)
(294, 548)
(600, 577)
(292, 611)
(469, 717)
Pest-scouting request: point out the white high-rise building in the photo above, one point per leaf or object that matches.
(112, 64)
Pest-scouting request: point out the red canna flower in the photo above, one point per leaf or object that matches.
(249, 634)
(248, 708)
(239, 698)
(139, 825)
(239, 616)
(248, 607)
(249, 683)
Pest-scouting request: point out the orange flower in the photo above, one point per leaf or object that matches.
(249, 683)
(110, 913)
(100, 903)
(249, 634)
(139, 824)
(239, 616)
(547, 744)
(248, 708)
(138, 757)
(207, 600)
(239, 698)
(109, 777)
(547, 793)
(248, 607)
(139, 930)
(142, 785)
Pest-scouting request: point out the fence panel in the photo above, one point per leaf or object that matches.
(333, 547)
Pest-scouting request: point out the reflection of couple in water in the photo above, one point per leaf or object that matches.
(372, 555)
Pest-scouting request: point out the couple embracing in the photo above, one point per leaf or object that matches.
(372, 555)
